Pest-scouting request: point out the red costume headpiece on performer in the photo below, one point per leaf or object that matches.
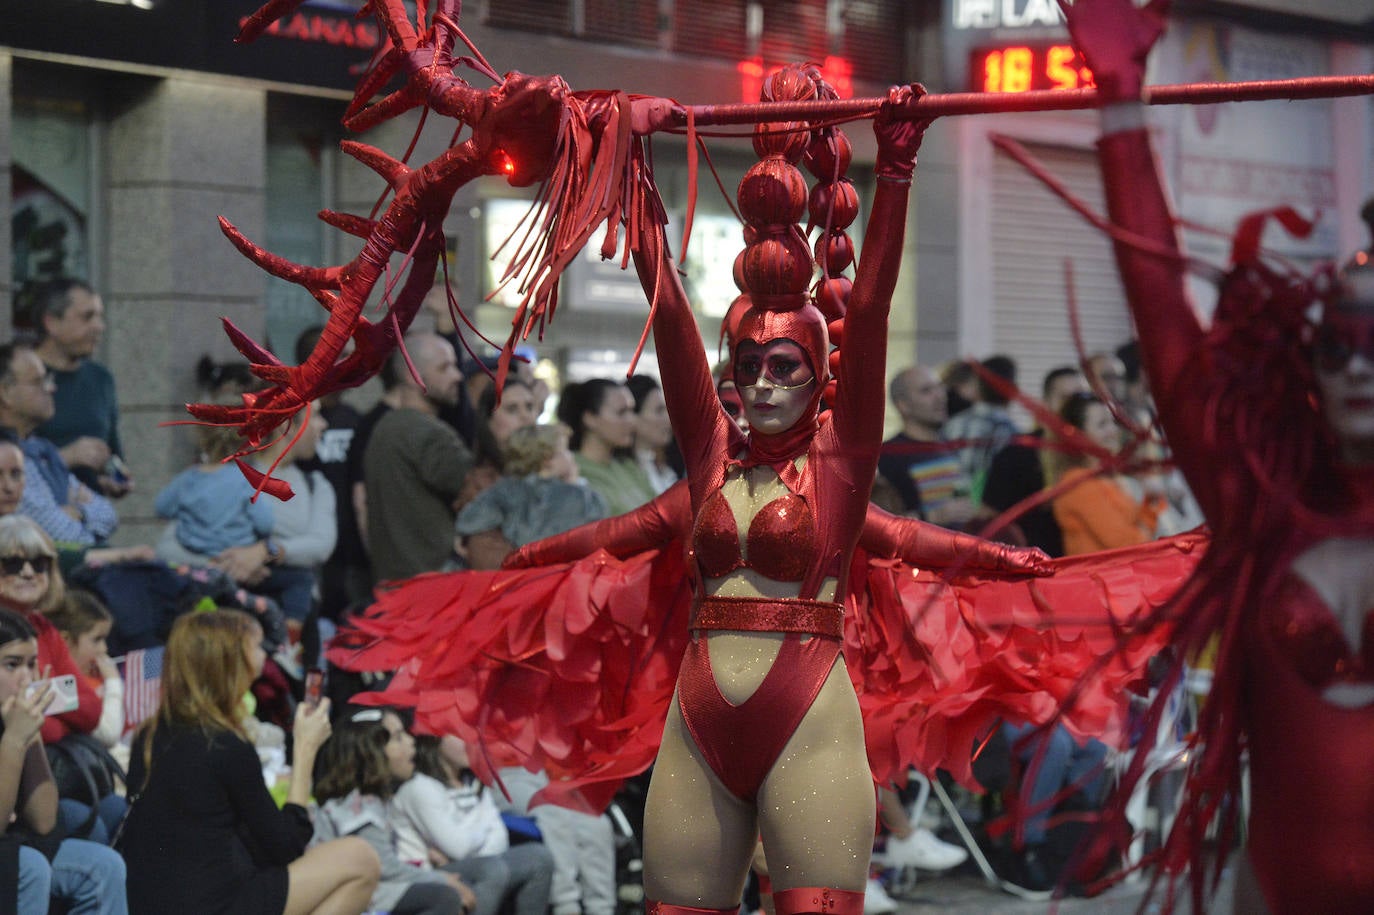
(776, 269)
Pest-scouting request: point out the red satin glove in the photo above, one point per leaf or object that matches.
(926, 545)
(899, 138)
(1115, 37)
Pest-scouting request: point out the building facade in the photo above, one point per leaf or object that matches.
(128, 126)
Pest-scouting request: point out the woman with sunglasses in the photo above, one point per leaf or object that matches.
(1271, 421)
(30, 585)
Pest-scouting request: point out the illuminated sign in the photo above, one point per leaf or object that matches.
(838, 72)
(1024, 67)
(1002, 14)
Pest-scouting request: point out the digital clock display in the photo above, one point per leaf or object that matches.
(1024, 67)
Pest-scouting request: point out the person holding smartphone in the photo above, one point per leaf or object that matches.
(86, 877)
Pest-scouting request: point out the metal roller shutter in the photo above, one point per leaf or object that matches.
(1032, 233)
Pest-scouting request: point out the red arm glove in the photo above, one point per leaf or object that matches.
(925, 545)
(898, 139)
(1114, 38)
(651, 526)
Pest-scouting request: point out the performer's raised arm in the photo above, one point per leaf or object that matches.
(865, 324)
(1115, 37)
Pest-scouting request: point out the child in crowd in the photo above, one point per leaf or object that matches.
(85, 877)
(212, 503)
(450, 819)
(356, 774)
(85, 625)
(539, 496)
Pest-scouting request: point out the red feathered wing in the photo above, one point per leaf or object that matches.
(570, 668)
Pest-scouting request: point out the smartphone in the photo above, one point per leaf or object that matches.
(314, 687)
(64, 694)
(117, 470)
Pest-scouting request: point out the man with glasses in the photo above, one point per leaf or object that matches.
(70, 512)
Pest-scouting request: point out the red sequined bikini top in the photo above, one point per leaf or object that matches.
(781, 544)
(1305, 632)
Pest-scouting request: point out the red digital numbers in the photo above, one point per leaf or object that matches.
(1022, 68)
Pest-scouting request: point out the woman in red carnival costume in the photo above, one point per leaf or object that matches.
(1286, 584)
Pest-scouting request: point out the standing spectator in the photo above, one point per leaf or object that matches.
(985, 428)
(343, 579)
(1109, 371)
(926, 474)
(497, 419)
(1018, 472)
(601, 415)
(70, 319)
(204, 835)
(69, 511)
(415, 464)
(654, 447)
(540, 496)
(961, 386)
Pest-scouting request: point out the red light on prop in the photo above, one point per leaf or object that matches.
(1023, 68)
(751, 75)
(839, 73)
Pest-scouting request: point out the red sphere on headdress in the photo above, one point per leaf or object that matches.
(786, 84)
(828, 155)
(779, 265)
(834, 252)
(832, 296)
(786, 139)
(773, 192)
(836, 201)
(738, 270)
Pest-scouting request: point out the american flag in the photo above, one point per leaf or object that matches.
(142, 685)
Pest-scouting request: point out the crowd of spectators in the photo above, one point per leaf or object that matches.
(326, 812)
(962, 460)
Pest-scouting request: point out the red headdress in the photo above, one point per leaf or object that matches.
(775, 269)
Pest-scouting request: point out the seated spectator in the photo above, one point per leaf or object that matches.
(85, 624)
(449, 818)
(31, 585)
(69, 511)
(356, 774)
(83, 878)
(211, 503)
(282, 564)
(1098, 513)
(204, 834)
(540, 496)
(600, 413)
(1061, 774)
(69, 317)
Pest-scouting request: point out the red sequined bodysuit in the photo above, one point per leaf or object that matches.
(784, 541)
(1312, 807)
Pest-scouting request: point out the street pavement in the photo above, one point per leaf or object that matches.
(969, 894)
